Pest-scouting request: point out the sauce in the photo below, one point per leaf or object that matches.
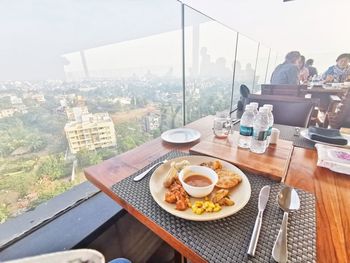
(198, 180)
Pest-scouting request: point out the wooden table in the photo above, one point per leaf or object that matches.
(332, 192)
(326, 91)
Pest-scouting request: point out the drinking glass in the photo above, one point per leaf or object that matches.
(222, 124)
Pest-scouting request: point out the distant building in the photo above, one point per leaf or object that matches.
(123, 100)
(91, 132)
(79, 101)
(7, 113)
(15, 100)
(152, 121)
(76, 113)
(39, 98)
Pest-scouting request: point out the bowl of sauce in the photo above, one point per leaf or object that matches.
(198, 181)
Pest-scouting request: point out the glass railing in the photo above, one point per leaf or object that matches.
(77, 72)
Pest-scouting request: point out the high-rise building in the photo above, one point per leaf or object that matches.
(93, 131)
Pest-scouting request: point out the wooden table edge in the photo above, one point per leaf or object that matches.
(159, 231)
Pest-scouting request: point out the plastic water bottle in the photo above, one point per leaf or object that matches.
(260, 128)
(246, 127)
(255, 106)
(271, 121)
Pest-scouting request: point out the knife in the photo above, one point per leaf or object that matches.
(263, 198)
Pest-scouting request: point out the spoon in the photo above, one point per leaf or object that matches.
(288, 201)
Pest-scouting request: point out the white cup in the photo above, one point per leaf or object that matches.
(275, 134)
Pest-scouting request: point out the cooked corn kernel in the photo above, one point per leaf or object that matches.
(216, 209)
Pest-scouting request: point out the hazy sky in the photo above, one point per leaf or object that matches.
(41, 39)
(317, 28)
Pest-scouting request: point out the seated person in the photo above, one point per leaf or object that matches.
(288, 72)
(304, 72)
(312, 70)
(339, 72)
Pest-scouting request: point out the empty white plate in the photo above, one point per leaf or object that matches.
(180, 135)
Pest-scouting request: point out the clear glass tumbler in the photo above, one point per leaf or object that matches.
(222, 124)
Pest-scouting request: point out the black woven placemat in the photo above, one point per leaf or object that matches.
(288, 133)
(226, 240)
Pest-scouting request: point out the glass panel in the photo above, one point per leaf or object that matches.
(209, 58)
(262, 63)
(80, 82)
(273, 62)
(245, 64)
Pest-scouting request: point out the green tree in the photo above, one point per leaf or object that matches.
(53, 167)
(4, 213)
(87, 158)
(107, 153)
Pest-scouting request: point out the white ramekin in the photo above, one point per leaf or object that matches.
(196, 191)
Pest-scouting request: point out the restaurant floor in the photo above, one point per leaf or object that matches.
(130, 239)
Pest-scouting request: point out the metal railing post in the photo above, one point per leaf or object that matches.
(267, 67)
(183, 65)
(256, 64)
(234, 73)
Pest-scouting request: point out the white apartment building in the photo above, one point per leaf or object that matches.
(76, 113)
(93, 131)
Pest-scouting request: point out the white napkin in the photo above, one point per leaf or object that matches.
(334, 158)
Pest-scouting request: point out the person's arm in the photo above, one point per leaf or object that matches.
(328, 75)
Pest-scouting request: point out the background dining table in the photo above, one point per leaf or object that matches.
(332, 190)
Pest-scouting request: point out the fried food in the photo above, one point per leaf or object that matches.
(170, 177)
(221, 197)
(228, 179)
(216, 165)
(220, 194)
(180, 165)
(173, 172)
(177, 195)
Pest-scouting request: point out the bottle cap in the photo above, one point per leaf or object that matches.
(254, 104)
(249, 107)
(263, 110)
(268, 106)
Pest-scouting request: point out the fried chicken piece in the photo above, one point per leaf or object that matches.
(181, 204)
(170, 197)
(177, 194)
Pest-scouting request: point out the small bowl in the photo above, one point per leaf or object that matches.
(198, 191)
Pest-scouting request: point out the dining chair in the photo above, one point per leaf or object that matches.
(284, 90)
(339, 116)
(292, 111)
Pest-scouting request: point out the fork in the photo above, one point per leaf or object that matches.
(143, 174)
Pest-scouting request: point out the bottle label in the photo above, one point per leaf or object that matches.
(269, 131)
(260, 135)
(245, 131)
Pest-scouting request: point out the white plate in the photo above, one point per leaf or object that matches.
(240, 194)
(180, 135)
(305, 134)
